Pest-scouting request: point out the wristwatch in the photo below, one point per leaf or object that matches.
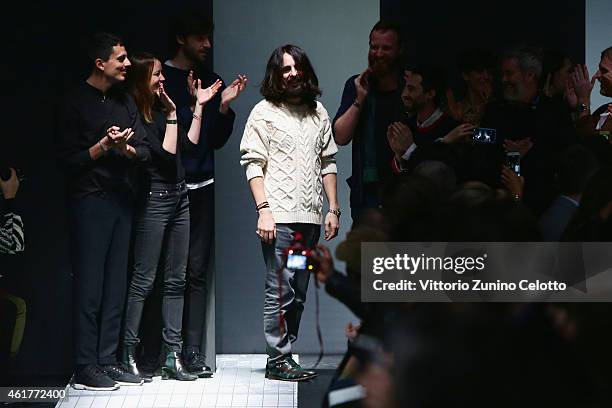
(336, 211)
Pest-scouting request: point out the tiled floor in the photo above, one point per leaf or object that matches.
(238, 382)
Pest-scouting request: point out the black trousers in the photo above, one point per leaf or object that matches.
(202, 219)
(161, 233)
(100, 226)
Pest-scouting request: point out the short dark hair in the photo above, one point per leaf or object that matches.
(272, 85)
(433, 78)
(100, 45)
(606, 53)
(388, 25)
(188, 22)
(476, 59)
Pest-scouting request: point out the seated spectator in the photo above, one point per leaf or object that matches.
(537, 127)
(476, 67)
(576, 167)
(441, 174)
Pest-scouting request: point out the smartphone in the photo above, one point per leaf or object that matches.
(298, 262)
(484, 135)
(513, 161)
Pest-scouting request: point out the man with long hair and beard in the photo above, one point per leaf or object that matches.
(288, 153)
(371, 102)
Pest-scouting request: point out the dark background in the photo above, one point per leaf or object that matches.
(41, 47)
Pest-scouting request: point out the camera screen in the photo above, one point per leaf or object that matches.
(513, 161)
(484, 135)
(296, 261)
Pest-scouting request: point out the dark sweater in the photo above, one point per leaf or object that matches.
(549, 125)
(164, 166)
(371, 152)
(216, 127)
(84, 118)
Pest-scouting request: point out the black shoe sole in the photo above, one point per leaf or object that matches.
(274, 377)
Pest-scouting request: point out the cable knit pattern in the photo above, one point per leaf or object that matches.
(291, 149)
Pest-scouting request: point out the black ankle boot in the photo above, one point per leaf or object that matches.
(128, 359)
(173, 367)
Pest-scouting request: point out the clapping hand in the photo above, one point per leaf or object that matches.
(233, 90)
(165, 99)
(206, 94)
(400, 138)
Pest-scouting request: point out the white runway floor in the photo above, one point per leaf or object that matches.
(238, 382)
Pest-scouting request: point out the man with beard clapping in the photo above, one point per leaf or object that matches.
(370, 102)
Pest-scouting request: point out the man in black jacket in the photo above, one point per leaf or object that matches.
(100, 139)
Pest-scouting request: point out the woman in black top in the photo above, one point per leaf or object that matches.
(161, 226)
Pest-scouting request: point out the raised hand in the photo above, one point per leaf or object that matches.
(570, 94)
(165, 99)
(233, 90)
(362, 85)
(513, 183)
(582, 83)
(191, 85)
(206, 94)
(460, 133)
(454, 108)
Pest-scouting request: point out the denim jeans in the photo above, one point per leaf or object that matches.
(289, 298)
(161, 232)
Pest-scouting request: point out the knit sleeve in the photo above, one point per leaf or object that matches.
(254, 147)
(11, 234)
(329, 150)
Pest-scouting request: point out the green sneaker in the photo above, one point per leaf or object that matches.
(283, 370)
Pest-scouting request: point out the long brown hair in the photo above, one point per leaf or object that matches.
(139, 83)
(272, 85)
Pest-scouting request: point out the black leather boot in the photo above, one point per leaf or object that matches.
(173, 367)
(128, 359)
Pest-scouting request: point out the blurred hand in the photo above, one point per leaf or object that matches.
(459, 134)
(10, 186)
(570, 95)
(513, 183)
(332, 224)
(351, 331)
(400, 138)
(165, 99)
(325, 264)
(582, 83)
(362, 85)
(233, 90)
(454, 108)
(266, 227)
(522, 146)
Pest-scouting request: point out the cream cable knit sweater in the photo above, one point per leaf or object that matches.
(291, 149)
